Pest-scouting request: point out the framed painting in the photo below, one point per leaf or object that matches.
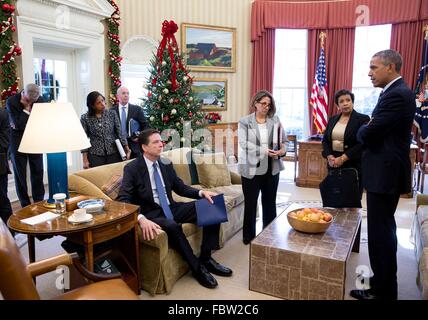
(211, 93)
(208, 48)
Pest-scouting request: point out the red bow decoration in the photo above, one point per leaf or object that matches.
(168, 30)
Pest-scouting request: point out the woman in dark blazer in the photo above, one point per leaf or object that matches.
(340, 145)
(102, 126)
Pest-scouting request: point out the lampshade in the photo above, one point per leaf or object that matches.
(52, 128)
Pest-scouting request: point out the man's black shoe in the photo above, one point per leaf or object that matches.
(205, 278)
(364, 295)
(217, 268)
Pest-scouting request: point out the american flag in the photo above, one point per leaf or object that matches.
(421, 116)
(319, 99)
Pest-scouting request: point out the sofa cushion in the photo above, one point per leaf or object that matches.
(424, 234)
(233, 195)
(422, 277)
(183, 164)
(100, 175)
(212, 169)
(422, 214)
(112, 187)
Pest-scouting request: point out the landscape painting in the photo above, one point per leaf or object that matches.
(211, 93)
(208, 48)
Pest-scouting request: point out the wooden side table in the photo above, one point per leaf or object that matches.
(225, 138)
(117, 222)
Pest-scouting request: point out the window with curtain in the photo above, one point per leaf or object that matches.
(290, 85)
(368, 41)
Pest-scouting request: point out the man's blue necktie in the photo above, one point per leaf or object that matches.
(123, 123)
(161, 193)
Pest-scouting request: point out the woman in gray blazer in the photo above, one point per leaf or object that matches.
(261, 145)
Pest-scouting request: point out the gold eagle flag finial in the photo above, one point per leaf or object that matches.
(323, 36)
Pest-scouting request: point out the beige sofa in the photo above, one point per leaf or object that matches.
(162, 266)
(420, 239)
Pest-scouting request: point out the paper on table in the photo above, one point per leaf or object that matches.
(120, 149)
(47, 216)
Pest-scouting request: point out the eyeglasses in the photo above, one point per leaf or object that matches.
(264, 104)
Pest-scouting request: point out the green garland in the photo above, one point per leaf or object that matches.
(8, 51)
(114, 54)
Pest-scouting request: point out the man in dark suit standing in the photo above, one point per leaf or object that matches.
(5, 207)
(148, 182)
(386, 170)
(19, 108)
(126, 112)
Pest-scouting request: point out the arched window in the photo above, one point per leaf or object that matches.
(137, 53)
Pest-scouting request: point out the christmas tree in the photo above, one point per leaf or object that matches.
(170, 103)
(8, 51)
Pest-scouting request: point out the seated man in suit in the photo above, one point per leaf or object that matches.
(148, 182)
(128, 112)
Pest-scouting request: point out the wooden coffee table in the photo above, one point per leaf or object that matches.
(293, 265)
(117, 221)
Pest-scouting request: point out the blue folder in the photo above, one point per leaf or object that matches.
(134, 127)
(209, 214)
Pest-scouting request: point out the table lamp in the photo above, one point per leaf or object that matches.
(54, 128)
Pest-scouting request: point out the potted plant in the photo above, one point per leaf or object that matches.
(213, 117)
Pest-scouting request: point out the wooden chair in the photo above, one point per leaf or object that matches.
(292, 152)
(16, 277)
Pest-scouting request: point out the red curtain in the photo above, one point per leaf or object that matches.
(408, 39)
(339, 54)
(339, 19)
(331, 14)
(263, 62)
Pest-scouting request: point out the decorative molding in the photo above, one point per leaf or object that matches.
(83, 16)
(136, 49)
(99, 8)
(91, 32)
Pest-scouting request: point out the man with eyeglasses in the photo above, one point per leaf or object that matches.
(19, 109)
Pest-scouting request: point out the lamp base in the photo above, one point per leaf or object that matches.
(48, 205)
(57, 174)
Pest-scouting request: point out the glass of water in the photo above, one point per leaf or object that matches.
(59, 202)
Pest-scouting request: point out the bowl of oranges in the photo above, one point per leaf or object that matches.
(310, 220)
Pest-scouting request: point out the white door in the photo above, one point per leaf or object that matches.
(55, 73)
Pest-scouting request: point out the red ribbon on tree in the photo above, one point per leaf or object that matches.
(168, 30)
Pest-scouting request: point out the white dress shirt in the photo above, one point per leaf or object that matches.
(264, 138)
(120, 111)
(390, 84)
(150, 168)
(149, 164)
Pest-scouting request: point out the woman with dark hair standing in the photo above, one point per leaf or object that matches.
(340, 145)
(102, 126)
(261, 142)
